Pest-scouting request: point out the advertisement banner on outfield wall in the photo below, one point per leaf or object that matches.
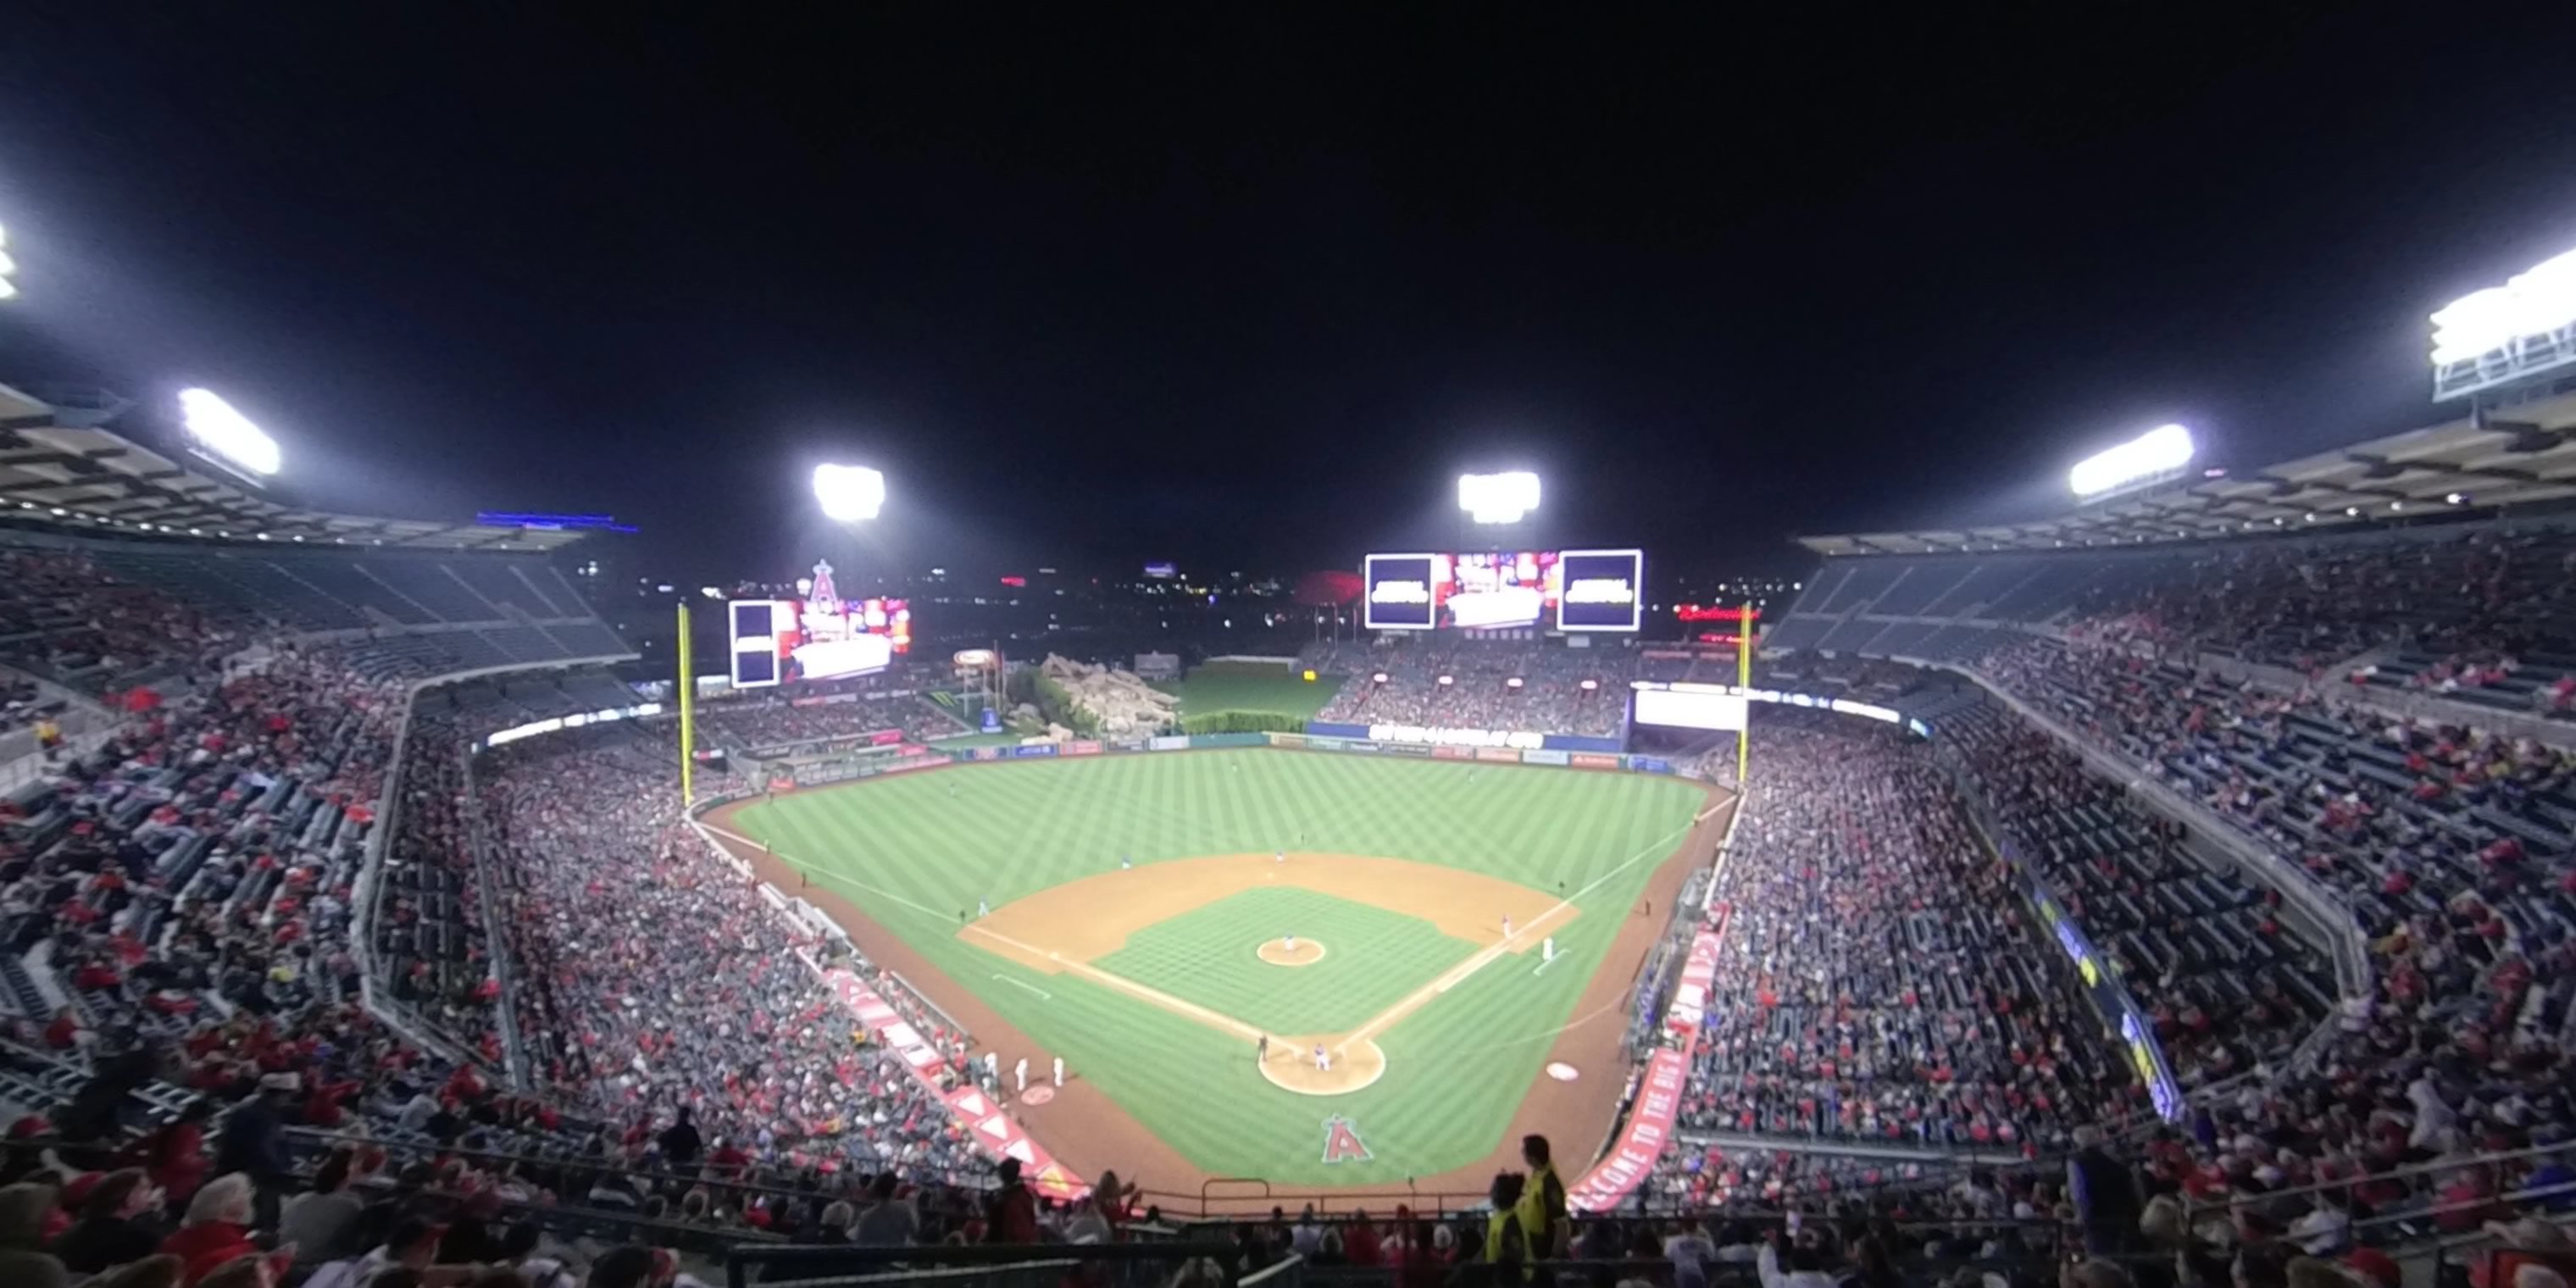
(1083, 748)
(1577, 742)
(1042, 749)
(1649, 1130)
(1535, 756)
(1592, 760)
(991, 753)
(1314, 743)
(1404, 749)
(1650, 765)
(1659, 1092)
(1330, 729)
(1505, 755)
(1449, 753)
(1288, 741)
(1169, 742)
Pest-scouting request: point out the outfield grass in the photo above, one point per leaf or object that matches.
(917, 850)
(1211, 689)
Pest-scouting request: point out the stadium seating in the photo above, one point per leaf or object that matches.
(1549, 699)
(208, 901)
(1875, 997)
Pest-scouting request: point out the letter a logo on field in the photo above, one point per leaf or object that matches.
(1342, 1142)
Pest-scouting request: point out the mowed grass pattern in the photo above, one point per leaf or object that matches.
(918, 850)
(1372, 958)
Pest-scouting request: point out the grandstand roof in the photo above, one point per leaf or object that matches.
(2525, 455)
(90, 479)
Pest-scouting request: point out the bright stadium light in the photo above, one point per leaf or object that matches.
(226, 432)
(2537, 302)
(849, 493)
(2160, 451)
(8, 269)
(1498, 498)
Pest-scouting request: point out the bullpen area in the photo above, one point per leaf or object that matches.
(1436, 955)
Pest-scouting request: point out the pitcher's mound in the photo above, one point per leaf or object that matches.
(1278, 953)
(1292, 1064)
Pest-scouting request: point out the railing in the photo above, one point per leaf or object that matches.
(478, 843)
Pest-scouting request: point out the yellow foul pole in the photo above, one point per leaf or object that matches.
(1743, 680)
(688, 717)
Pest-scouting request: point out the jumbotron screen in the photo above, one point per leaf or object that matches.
(1494, 590)
(819, 637)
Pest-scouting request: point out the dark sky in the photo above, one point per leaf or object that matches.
(1247, 285)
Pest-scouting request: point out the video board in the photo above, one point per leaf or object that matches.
(819, 637)
(1503, 589)
(1604, 590)
(1691, 707)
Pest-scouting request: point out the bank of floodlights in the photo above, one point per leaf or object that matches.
(1498, 498)
(849, 493)
(2159, 453)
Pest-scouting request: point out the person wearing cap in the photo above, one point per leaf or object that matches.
(254, 1137)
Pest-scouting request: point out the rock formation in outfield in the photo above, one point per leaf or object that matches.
(1123, 704)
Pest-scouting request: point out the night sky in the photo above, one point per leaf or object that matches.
(1239, 285)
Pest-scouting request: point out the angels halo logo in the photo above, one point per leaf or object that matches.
(1342, 1142)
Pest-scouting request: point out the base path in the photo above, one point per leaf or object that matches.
(1090, 1132)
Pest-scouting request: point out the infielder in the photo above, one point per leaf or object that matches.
(1279, 856)
(1290, 942)
(1261, 1053)
(1507, 927)
(1126, 862)
(1059, 1071)
(1323, 1059)
(984, 908)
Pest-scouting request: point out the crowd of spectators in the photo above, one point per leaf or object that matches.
(1480, 684)
(2201, 948)
(746, 723)
(653, 978)
(1872, 993)
(65, 619)
(2479, 595)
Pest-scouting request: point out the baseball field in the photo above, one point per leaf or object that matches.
(1134, 915)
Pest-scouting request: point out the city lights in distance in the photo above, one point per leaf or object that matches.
(226, 432)
(849, 493)
(1498, 498)
(2158, 452)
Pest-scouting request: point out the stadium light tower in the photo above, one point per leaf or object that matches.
(8, 269)
(1498, 498)
(2151, 457)
(849, 493)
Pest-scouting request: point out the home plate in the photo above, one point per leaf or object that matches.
(1037, 1095)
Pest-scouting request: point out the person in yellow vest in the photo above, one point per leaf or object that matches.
(49, 736)
(1544, 1225)
(1506, 1252)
